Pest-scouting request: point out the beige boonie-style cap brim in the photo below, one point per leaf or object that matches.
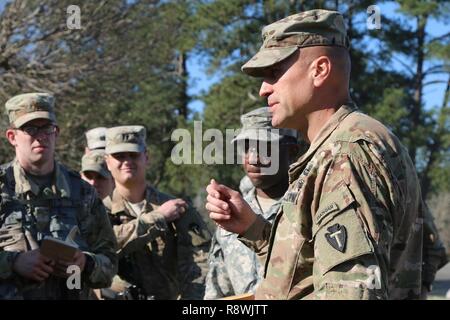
(96, 145)
(124, 147)
(32, 116)
(267, 57)
(258, 134)
(96, 168)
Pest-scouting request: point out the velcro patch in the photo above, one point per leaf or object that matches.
(337, 237)
(326, 211)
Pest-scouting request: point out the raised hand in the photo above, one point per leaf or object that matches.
(228, 209)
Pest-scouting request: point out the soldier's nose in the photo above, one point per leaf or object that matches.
(266, 89)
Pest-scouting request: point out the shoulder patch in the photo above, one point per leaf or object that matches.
(341, 239)
(337, 237)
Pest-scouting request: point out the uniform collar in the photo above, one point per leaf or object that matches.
(324, 133)
(60, 184)
(118, 202)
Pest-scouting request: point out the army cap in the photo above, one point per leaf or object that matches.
(95, 161)
(257, 125)
(282, 38)
(95, 138)
(30, 106)
(125, 139)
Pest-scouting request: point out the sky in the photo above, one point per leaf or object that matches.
(200, 81)
(433, 95)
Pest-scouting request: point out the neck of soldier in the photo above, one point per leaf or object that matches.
(317, 118)
(37, 169)
(133, 191)
(276, 191)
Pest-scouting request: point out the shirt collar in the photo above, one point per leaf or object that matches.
(118, 202)
(324, 133)
(60, 184)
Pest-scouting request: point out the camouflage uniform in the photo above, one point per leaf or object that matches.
(245, 185)
(233, 268)
(29, 212)
(166, 260)
(353, 224)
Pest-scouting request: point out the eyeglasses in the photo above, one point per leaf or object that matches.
(33, 131)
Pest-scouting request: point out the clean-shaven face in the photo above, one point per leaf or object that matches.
(103, 185)
(288, 89)
(127, 167)
(34, 142)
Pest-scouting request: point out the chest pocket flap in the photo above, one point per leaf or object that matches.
(338, 231)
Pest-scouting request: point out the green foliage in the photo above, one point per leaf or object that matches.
(128, 66)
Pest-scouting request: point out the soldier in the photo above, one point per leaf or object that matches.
(39, 198)
(95, 139)
(95, 172)
(351, 224)
(163, 241)
(233, 268)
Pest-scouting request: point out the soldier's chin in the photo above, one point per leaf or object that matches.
(127, 178)
(262, 182)
(40, 158)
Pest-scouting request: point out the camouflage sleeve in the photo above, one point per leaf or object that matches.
(194, 240)
(257, 237)
(133, 235)
(218, 284)
(348, 262)
(434, 254)
(103, 245)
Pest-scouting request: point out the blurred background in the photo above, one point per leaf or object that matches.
(164, 64)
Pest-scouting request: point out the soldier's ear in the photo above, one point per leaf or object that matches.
(11, 136)
(107, 157)
(322, 70)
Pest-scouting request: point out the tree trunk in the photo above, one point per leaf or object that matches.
(436, 144)
(416, 114)
(183, 76)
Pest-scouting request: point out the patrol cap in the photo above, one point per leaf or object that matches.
(95, 138)
(282, 38)
(95, 161)
(30, 106)
(257, 125)
(125, 139)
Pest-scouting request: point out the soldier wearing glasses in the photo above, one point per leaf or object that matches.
(39, 198)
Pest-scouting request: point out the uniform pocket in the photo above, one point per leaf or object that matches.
(12, 239)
